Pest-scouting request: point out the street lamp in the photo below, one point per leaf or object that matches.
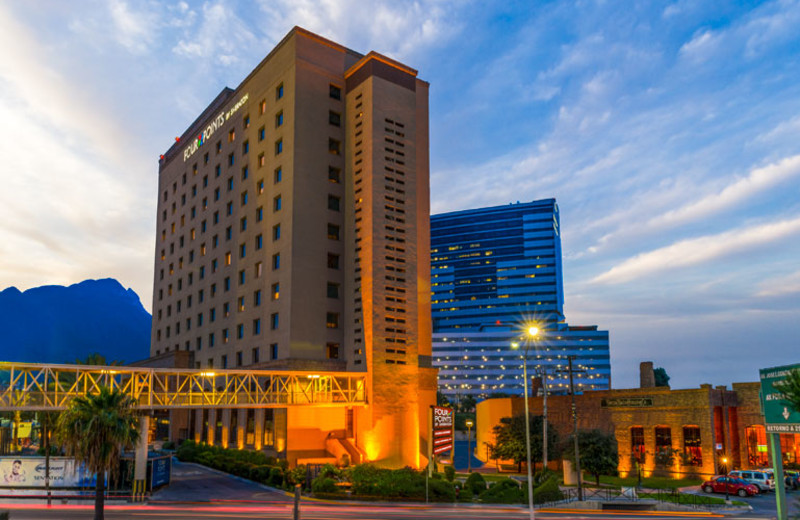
(727, 480)
(531, 334)
(469, 424)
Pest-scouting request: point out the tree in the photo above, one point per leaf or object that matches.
(468, 404)
(441, 399)
(94, 430)
(598, 452)
(661, 377)
(790, 388)
(510, 440)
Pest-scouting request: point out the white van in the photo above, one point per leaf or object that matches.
(763, 480)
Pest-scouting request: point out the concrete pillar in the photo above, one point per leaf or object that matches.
(226, 427)
(212, 425)
(281, 421)
(140, 460)
(198, 425)
(259, 418)
(241, 427)
(647, 377)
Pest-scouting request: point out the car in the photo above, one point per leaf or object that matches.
(730, 485)
(763, 479)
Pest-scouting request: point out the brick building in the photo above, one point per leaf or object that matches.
(708, 429)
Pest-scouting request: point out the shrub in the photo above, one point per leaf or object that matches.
(275, 477)
(169, 445)
(547, 492)
(324, 485)
(449, 473)
(505, 491)
(463, 493)
(476, 483)
(297, 475)
(441, 490)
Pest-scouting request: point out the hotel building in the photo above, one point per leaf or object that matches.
(293, 233)
(496, 271)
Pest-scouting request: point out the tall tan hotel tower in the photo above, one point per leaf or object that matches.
(293, 234)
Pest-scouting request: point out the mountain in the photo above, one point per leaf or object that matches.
(56, 324)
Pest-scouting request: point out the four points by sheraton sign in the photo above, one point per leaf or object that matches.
(212, 127)
(779, 415)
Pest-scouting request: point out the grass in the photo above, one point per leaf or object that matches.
(650, 482)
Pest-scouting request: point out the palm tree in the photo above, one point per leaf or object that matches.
(790, 388)
(94, 430)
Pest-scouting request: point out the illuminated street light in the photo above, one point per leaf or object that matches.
(469, 424)
(532, 333)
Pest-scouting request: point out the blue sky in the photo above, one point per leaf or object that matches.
(668, 132)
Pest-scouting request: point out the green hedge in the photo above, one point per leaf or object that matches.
(251, 465)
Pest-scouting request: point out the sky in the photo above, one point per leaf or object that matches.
(667, 131)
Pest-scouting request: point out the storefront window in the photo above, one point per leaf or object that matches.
(692, 451)
(756, 438)
(637, 443)
(789, 446)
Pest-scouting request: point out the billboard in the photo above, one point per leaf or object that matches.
(779, 415)
(443, 424)
(30, 472)
(160, 471)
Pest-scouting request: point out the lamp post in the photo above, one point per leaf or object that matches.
(543, 373)
(469, 424)
(531, 334)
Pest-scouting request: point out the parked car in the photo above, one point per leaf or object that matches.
(761, 478)
(730, 485)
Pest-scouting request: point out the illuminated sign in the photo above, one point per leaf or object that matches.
(627, 402)
(442, 429)
(212, 127)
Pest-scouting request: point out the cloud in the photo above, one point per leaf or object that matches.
(220, 37)
(698, 251)
(780, 286)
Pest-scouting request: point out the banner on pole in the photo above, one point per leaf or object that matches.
(443, 429)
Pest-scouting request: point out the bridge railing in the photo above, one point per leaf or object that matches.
(30, 386)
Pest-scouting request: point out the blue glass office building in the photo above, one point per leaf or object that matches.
(494, 272)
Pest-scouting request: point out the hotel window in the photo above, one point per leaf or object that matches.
(227, 283)
(256, 327)
(210, 344)
(245, 172)
(231, 135)
(243, 224)
(230, 183)
(228, 233)
(279, 119)
(663, 438)
(637, 443)
(205, 185)
(275, 291)
(216, 194)
(276, 203)
(261, 160)
(239, 358)
(262, 133)
(242, 250)
(227, 260)
(244, 198)
(226, 309)
(273, 321)
(257, 269)
(205, 159)
(239, 331)
(276, 261)
(246, 121)
(279, 91)
(219, 146)
(333, 232)
(262, 107)
(225, 358)
(334, 202)
(217, 170)
(278, 176)
(692, 450)
(241, 277)
(259, 242)
(333, 290)
(260, 186)
(335, 92)
(333, 261)
(334, 146)
(254, 356)
(756, 439)
(334, 175)
(278, 146)
(334, 118)
(202, 272)
(256, 298)
(231, 159)
(332, 320)
(332, 350)
(259, 214)
(245, 147)
(276, 232)
(273, 350)
(203, 226)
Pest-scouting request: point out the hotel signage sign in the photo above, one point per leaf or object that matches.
(212, 127)
(443, 429)
(779, 415)
(627, 402)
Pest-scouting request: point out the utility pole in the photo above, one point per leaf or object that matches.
(544, 425)
(575, 430)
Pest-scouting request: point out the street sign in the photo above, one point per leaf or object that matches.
(779, 415)
(443, 425)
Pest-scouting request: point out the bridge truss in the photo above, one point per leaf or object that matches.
(31, 386)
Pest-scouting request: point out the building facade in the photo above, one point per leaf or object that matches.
(293, 233)
(496, 271)
(660, 431)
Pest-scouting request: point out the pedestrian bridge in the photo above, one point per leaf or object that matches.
(43, 387)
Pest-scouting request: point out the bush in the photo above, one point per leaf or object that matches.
(169, 445)
(476, 483)
(449, 473)
(324, 485)
(440, 490)
(297, 475)
(463, 493)
(547, 492)
(275, 477)
(505, 491)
